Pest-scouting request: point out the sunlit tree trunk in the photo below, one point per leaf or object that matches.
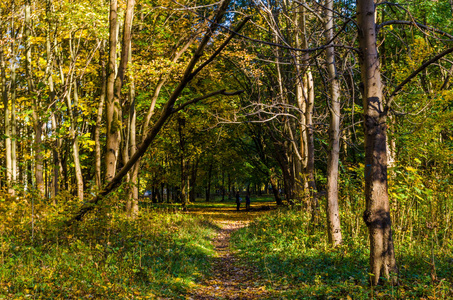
(115, 83)
(57, 144)
(38, 125)
(306, 102)
(377, 213)
(97, 130)
(333, 213)
(112, 103)
(7, 126)
(300, 164)
(132, 201)
(75, 146)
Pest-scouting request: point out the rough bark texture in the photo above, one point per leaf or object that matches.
(112, 104)
(377, 213)
(333, 213)
(97, 130)
(115, 83)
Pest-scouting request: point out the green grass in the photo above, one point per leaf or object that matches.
(299, 261)
(112, 257)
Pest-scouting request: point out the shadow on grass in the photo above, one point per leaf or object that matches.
(303, 267)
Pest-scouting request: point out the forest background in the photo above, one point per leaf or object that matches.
(342, 111)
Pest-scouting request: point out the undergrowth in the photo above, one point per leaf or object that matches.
(297, 259)
(107, 256)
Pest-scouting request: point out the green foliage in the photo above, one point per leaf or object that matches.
(160, 253)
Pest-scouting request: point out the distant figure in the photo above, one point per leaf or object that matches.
(238, 201)
(247, 201)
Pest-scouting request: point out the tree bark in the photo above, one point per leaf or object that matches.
(333, 213)
(7, 127)
(193, 180)
(112, 104)
(38, 125)
(133, 180)
(97, 130)
(208, 183)
(184, 165)
(377, 213)
(115, 83)
(75, 146)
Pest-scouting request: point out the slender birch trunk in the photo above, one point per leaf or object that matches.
(333, 213)
(7, 128)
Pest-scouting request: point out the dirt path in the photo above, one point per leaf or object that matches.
(231, 278)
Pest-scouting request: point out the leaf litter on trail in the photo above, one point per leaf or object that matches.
(231, 278)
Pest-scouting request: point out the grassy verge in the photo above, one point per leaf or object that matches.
(298, 260)
(110, 257)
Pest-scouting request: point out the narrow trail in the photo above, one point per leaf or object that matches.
(231, 278)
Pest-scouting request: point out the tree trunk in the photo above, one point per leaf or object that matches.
(37, 122)
(223, 184)
(193, 180)
(7, 127)
(112, 103)
(333, 213)
(115, 83)
(273, 181)
(377, 213)
(208, 183)
(97, 130)
(75, 145)
(184, 165)
(133, 193)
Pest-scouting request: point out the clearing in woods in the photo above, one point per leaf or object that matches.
(231, 278)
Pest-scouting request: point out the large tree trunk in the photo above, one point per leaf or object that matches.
(333, 213)
(115, 83)
(112, 103)
(377, 213)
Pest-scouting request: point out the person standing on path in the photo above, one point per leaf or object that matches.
(247, 201)
(238, 201)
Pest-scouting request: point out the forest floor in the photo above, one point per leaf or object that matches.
(231, 278)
